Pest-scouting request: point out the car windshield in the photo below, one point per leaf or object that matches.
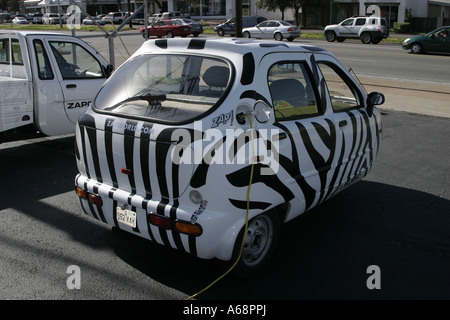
(166, 88)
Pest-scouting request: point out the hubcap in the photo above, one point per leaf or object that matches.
(257, 241)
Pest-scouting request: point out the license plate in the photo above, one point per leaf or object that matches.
(126, 216)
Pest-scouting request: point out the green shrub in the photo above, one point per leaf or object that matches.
(402, 27)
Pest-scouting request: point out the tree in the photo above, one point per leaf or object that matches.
(273, 5)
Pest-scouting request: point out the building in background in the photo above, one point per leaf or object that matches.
(425, 13)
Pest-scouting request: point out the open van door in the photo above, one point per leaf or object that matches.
(71, 73)
(16, 93)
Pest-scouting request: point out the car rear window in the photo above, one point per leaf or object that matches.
(166, 88)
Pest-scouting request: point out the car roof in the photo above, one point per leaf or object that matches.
(216, 46)
(31, 32)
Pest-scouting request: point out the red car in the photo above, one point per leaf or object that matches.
(168, 28)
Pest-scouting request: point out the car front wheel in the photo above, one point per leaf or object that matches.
(331, 36)
(169, 34)
(220, 33)
(246, 34)
(416, 48)
(259, 243)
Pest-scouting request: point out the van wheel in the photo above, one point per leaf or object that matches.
(259, 243)
(331, 36)
(366, 38)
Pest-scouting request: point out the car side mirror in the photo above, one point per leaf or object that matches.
(374, 99)
(109, 70)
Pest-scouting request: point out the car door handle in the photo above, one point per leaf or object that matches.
(71, 86)
(342, 123)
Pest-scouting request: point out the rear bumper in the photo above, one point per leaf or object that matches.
(218, 230)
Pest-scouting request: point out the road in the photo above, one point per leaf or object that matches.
(397, 219)
(412, 83)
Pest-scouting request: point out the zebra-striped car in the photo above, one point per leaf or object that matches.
(208, 145)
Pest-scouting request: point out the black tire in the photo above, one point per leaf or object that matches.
(246, 34)
(376, 40)
(278, 36)
(366, 38)
(416, 48)
(259, 245)
(220, 32)
(169, 34)
(331, 36)
(340, 39)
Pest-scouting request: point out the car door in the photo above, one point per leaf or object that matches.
(440, 41)
(258, 30)
(346, 27)
(302, 131)
(357, 132)
(359, 23)
(77, 73)
(269, 31)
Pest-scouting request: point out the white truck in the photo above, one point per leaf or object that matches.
(47, 80)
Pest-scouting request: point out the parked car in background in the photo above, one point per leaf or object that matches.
(272, 29)
(19, 20)
(98, 19)
(37, 18)
(167, 28)
(173, 15)
(196, 28)
(229, 26)
(435, 41)
(116, 17)
(50, 18)
(368, 29)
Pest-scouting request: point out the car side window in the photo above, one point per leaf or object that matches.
(263, 24)
(343, 93)
(347, 22)
(360, 22)
(75, 62)
(43, 63)
(293, 95)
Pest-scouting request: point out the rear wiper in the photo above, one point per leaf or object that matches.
(151, 99)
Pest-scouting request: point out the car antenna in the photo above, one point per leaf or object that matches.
(354, 73)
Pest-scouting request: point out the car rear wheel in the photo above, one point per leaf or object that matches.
(340, 39)
(278, 36)
(331, 36)
(246, 34)
(259, 243)
(416, 48)
(366, 38)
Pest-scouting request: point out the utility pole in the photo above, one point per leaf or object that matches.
(238, 24)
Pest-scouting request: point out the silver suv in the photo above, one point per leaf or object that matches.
(368, 29)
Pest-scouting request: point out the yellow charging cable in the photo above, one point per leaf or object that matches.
(246, 218)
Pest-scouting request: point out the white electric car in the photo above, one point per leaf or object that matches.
(193, 141)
